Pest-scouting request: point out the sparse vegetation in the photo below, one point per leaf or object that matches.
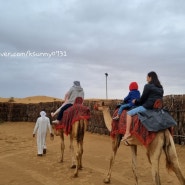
(11, 99)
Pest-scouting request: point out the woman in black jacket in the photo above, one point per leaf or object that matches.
(153, 90)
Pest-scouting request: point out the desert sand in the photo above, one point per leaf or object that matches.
(20, 165)
(31, 99)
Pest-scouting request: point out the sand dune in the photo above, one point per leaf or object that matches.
(38, 99)
(31, 99)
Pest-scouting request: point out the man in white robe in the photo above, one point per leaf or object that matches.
(41, 127)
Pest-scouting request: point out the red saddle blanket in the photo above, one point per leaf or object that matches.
(137, 129)
(71, 115)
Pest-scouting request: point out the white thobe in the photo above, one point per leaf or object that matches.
(41, 127)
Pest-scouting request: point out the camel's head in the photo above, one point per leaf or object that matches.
(100, 106)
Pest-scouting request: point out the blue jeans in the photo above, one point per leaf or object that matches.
(136, 110)
(122, 107)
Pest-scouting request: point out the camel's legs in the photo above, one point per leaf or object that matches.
(80, 153)
(154, 152)
(62, 147)
(80, 130)
(80, 137)
(172, 159)
(78, 158)
(115, 145)
(73, 159)
(134, 162)
(77, 162)
(76, 154)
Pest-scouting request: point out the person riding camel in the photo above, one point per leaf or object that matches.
(75, 91)
(127, 101)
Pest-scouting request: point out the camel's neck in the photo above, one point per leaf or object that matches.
(107, 117)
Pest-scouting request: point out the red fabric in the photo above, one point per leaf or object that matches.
(137, 129)
(158, 104)
(71, 115)
(78, 100)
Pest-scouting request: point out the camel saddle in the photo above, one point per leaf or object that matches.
(74, 113)
(138, 129)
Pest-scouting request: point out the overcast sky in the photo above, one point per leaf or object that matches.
(46, 45)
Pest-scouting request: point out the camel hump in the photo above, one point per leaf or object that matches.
(78, 100)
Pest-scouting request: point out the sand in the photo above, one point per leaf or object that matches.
(20, 165)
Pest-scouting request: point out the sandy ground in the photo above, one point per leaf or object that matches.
(19, 164)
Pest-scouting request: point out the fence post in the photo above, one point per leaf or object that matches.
(178, 125)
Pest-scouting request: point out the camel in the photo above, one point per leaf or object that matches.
(162, 141)
(76, 132)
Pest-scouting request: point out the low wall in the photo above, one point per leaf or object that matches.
(29, 112)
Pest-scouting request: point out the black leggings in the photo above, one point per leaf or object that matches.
(60, 114)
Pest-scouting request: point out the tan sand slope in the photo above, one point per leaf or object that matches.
(38, 99)
(31, 99)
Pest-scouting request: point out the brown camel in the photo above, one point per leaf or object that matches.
(73, 123)
(162, 141)
(77, 133)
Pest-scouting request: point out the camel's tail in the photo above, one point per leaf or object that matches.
(81, 128)
(169, 149)
(172, 162)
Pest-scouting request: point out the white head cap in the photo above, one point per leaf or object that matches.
(43, 113)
